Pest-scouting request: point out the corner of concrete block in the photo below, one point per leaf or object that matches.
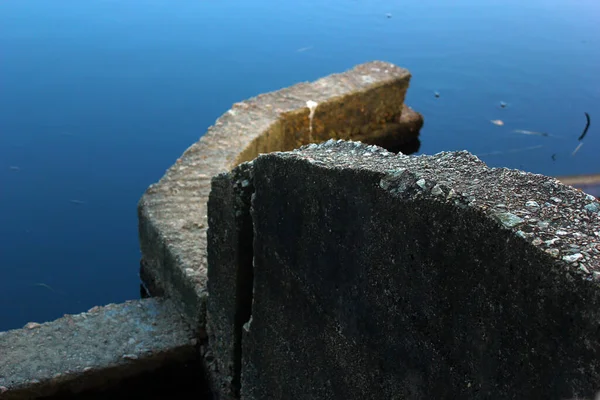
(230, 274)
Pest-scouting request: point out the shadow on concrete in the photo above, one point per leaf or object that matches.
(180, 380)
(405, 148)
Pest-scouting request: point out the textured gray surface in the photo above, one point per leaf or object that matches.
(364, 103)
(230, 274)
(382, 276)
(92, 349)
(172, 213)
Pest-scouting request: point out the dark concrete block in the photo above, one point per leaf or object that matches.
(92, 350)
(392, 277)
(229, 261)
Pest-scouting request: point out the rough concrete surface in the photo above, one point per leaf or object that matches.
(365, 103)
(93, 349)
(230, 274)
(383, 276)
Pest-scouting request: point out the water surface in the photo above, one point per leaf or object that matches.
(98, 99)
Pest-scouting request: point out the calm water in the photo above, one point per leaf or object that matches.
(98, 98)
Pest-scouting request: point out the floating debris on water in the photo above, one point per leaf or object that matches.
(577, 148)
(303, 49)
(509, 151)
(388, 15)
(75, 201)
(526, 132)
(436, 94)
(46, 286)
(587, 125)
(497, 122)
(503, 104)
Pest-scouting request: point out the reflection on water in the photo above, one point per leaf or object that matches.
(99, 98)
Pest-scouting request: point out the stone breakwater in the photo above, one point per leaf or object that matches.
(365, 103)
(103, 346)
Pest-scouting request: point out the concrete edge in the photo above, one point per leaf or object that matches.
(94, 349)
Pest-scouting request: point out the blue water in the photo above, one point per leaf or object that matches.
(98, 99)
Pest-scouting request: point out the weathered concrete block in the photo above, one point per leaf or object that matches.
(392, 277)
(365, 103)
(93, 349)
(229, 275)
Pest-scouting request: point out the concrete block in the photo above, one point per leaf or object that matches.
(382, 276)
(92, 350)
(229, 274)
